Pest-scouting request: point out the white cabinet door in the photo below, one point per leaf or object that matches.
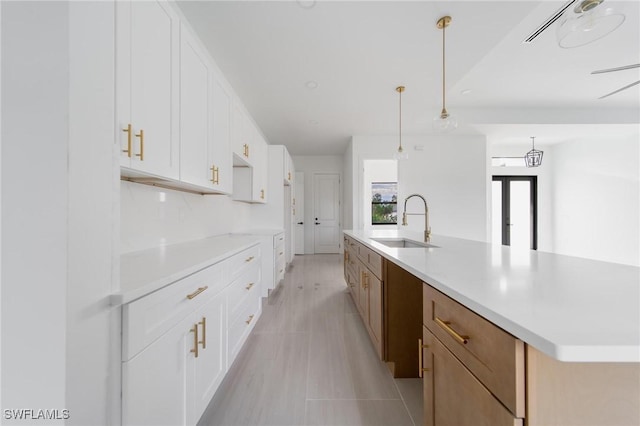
(241, 136)
(146, 86)
(194, 114)
(157, 384)
(260, 176)
(220, 152)
(211, 364)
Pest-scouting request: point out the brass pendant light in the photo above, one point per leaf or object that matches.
(400, 154)
(444, 122)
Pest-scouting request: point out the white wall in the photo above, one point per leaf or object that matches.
(310, 164)
(596, 199)
(450, 172)
(545, 180)
(347, 186)
(376, 171)
(151, 217)
(35, 104)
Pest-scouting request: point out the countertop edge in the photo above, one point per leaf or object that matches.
(563, 353)
(123, 297)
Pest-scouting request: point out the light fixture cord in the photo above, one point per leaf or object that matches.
(400, 122)
(533, 142)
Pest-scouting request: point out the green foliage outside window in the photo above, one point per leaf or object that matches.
(384, 203)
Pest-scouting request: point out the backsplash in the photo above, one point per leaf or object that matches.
(152, 217)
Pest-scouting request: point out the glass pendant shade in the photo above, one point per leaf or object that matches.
(445, 122)
(586, 23)
(533, 158)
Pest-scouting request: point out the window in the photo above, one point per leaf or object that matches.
(384, 201)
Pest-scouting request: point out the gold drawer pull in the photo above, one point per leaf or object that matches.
(463, 340)
(197, 292)
(420, 363)
(194, 330)
(281, 253)
(129, 134)
(281, 270)
(249, 259)
(249, 286)
(249, 320)
(215, 173)
(203, 323)
(141, 136)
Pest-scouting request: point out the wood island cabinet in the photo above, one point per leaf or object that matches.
(476, 374)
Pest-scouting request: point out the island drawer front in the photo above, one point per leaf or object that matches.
(371, 259)
(241, 325)
(453, 396)
(146, 319)
(495, 357)
(242, 261)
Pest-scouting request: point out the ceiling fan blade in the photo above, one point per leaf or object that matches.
(619, 90)
(626, 67)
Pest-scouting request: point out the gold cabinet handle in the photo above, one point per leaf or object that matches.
(249, 259)
(463, 340)
(420, 362)
(249, 320)
(194, 330)
(197, 292)
(129, 135)
(141, 136)
(245, 151)
(262, 194)
(290, 179)
(249, 286)
(215, 174)
(281, 270)
(281, 253)
(203, 323)
(365, 278)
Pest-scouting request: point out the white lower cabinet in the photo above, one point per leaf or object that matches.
(179, 341)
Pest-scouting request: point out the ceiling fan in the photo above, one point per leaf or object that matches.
(626, 67)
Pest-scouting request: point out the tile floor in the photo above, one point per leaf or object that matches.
(309, 361)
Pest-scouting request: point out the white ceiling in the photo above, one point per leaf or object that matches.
(359, 51)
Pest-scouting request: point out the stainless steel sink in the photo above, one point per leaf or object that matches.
(403, 243)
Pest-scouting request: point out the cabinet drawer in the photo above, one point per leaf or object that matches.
(278, 254)
(453, 396)
(495, 357)
(241, 325)
(244, 286)
(242, 261)
(278, 240)
(374, 263)
(146, 319)
(279, 271)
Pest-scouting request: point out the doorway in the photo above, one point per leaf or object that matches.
(326, 212)
(514, 211)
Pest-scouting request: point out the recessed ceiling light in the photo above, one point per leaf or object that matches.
(311, 84)
(466, 91)
(306, 4)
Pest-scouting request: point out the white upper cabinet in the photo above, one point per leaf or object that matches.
(220, 154)
(242, 134)
(147, 42)
(194, 114)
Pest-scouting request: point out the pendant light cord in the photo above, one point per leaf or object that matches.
(400, 122)
(444, 108)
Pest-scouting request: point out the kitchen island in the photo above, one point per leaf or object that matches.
(571, 327)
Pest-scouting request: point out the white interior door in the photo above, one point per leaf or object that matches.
(298, 213)
(326, 206)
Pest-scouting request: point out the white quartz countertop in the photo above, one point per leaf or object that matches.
(570, 308)
(143, 272)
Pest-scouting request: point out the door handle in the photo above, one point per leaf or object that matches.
(317, 223)
(300, 223)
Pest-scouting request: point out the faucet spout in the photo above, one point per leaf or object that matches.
(427, 228)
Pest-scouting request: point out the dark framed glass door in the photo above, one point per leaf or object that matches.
(515, 211)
